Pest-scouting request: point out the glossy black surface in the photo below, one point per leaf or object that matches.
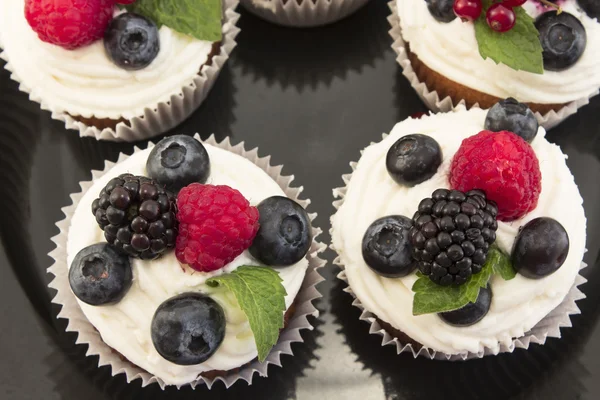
(312, 99)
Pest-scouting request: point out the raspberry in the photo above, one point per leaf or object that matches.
(216, 224)
(69, 23)
(504, 166)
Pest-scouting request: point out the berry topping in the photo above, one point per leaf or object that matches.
(472, 313)
(178, 161)
(591, 8)
(468, 10)
(500, 17)
(452, 234)
(137, 215)
(188, 329)
(513, 3)
(284, 236)
(100, 274)
(69, 23)
(510, 115)
(386, 247)
(131, 41)
(413, 159)
(541, 248)
(504, 166)
(563, 39)
(216, 224)
(441, 10)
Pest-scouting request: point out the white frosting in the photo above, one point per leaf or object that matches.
(518, 304)
(451, 50)
(125, 326)
(85, 82)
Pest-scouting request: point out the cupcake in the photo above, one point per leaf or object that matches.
(117, 70)
(478, 52)
(187, 263)
(303, 13)
(462, 234)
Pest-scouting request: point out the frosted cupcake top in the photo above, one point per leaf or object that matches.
(181, 285)
(453, 50)
(150, 58)
(442, 249)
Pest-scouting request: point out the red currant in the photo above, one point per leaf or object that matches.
(513, 3)
(468, 10)
(125, 1)
(500, 18)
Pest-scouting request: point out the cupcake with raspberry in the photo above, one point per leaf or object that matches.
(187, 263)
(462, 234)
(117, 70)
(478, 51)
(303, 13)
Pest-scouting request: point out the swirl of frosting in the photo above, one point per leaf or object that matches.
(518, 304)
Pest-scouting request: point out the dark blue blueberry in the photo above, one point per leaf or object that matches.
(188, 329)
(472, 313)
(441, 10)
(178, 161)
(591, 8)
(387, 249)
(100, 274)
(285, 232)
(413, 159)
(541, 248)
(563, 39)
(510, 115)
(131, 41)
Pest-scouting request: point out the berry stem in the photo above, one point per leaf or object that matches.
(548, 3)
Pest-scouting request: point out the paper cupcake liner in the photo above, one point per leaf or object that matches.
(303, 15)
(548, 327)
(157, 118)
(432, 99)
(87, 334)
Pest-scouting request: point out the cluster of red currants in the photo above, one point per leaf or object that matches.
(500, 16)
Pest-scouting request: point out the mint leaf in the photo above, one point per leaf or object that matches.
(519, 48)
(433, 298)
(198, 18)
(261, 297)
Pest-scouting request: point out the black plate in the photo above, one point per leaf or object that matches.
(312, 99)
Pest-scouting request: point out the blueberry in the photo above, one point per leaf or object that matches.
(387, 249)
(285, 232)
(131, 41)
(100, 274)
(563, 39)
(178, 161)
(541, 248)
(188, 329)
(413, 159)
(441, 10)
(472, 313)
(510, 115)
(591, 8)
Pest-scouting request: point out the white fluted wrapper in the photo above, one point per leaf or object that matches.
(306, 14)
(161, 117)
(548, 327)
(87, 334)
(432, 99)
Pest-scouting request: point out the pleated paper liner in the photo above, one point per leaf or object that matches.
(308, 13)
(87, 334)
(548, 327)
(432, 99)
(157, 118)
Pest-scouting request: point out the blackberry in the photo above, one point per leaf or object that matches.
(452, 234)
(137, 216)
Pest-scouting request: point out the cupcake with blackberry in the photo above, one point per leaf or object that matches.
(480, 51)
(117, 70)
(187, 263)
(303, 13)
(462, 234)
